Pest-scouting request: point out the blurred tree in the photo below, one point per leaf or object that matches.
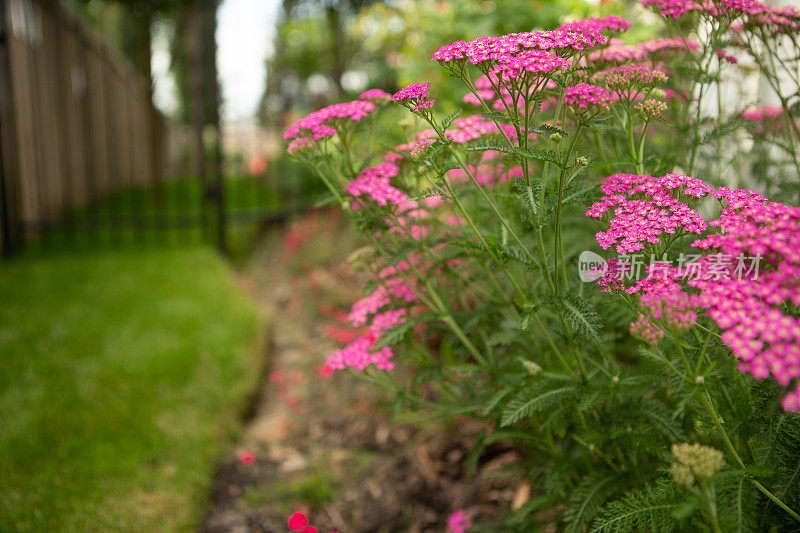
(322, 25)
(385, 45)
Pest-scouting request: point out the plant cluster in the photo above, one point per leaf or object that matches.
(662, 394)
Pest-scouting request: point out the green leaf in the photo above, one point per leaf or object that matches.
(685, 509)
(497, 116)
(582, 315)
(489, 144)
(538, 154)
(537, 398)
(640, 510)
(448, 121)
(587, 498)
(398, 333)
(528, 196)
(547, 130)
(495, 399)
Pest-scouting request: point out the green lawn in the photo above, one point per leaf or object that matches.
(123, 375)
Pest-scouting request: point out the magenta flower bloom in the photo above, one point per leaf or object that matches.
(458, 521)
(297, 521)
(333, 114)
(644, 208)
(585, 96)
(375, 96)
(375, 183)
(747, 303)
(610, 23)
(414, 91)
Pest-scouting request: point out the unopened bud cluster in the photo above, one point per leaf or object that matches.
(650, 109)
(695, 462)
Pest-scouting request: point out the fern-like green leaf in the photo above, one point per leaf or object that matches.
(640, 510)
(537, 398)
(582, 315)
(587, 498)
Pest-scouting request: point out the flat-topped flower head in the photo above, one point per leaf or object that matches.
(375, 96)
(650, 109)
(530, 62)
(756, 259)
(414, 97)
(776, 21)
(374, 182)
(764, 120)
(584, 96)
(629, 81)
(453, 52)
(673, 8)
(653, 50)
(643, 208)
(728, 9)
(611, 24)
(412, 92)
(299, 145)
(336, 115)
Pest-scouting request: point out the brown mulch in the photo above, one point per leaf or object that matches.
(326, 445)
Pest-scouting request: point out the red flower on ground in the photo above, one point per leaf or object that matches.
(247, 458)
(297, 521)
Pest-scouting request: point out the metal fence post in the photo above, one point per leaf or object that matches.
(11, 230)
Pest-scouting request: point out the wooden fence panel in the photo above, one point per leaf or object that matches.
(80, 115)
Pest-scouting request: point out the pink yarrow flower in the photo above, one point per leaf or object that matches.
(586, 96)
(375, 96)
(643, 208)
(332, 115)
(458, 521)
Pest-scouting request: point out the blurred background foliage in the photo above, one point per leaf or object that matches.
(388, 45)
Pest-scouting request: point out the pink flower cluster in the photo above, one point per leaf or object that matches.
(672, 8)
(620, 52)
(412, 92)
(723, 55)
(776, 20)
(766, 119)
(730, 9)
(644, 328)
(650, 109)
(750, 309)
(585, 96)
(361, 353)
(393, 286)
(529, 62)
(458, 521)
(610, 23)
(375, 96)
(535, 53)
(375, 183)
(662, 297)
(758, 114)
(645, 207)
(298, 522)
(471, 128)
(311, 124)
(630, 80)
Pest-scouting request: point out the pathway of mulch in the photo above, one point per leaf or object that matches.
(325, 444)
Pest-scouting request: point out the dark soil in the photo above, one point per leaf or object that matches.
(326, 445)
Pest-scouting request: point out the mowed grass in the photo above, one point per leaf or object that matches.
(122, 376)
